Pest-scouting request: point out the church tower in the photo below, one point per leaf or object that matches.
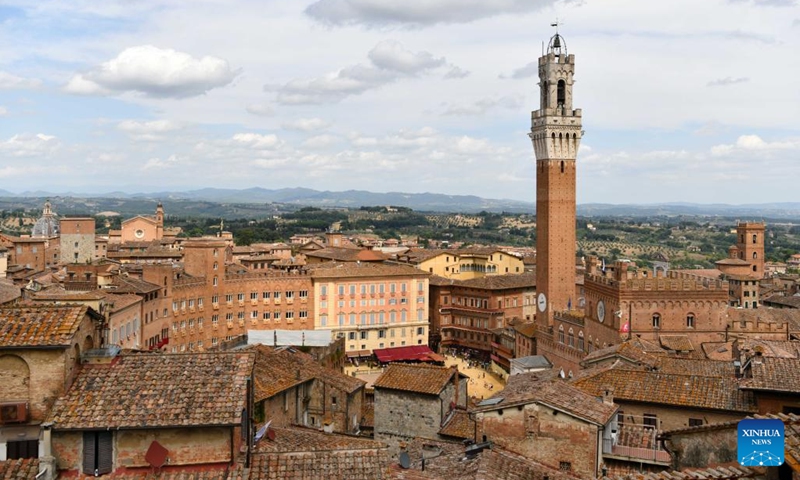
(556, 134)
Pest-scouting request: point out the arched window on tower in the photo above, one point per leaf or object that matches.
(755, 255)
(562, 166)
(562, 93)
(755, 238)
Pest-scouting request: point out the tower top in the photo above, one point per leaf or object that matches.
(557, 45)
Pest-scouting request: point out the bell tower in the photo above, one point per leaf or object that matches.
(556, 134)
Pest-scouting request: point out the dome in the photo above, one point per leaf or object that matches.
(47, 225)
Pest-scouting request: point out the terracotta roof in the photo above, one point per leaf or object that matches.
(526, 329)
(786, 301)
(157, 390)
(122, 301)
(501, 282)
(446, 460)
(766, 315)
(302, 454)
(634, 350)
(718, 350)
(40, 325)
(279, 369)
(629, 384)
(58, 292)
(547, 389)
(426, 379)
(680, 343)
(731, 261)
(773, 374)
(123, 284)
(352, 269)
(19, 469)
(182, 472)
(9, 292)
(340, 254)
(458, 425)
(717, 473)
(770, 348)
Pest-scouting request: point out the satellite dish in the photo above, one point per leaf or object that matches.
(405, 460)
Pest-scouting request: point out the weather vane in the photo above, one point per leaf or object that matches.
(556, 24)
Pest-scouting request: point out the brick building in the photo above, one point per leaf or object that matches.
(40, 352)
(465, 313)
(119, 408)
(77, 240)
(413, 400)
(374, 305)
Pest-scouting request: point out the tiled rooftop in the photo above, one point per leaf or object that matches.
(719, 473)
(340, 254)
(547, 389)
(458, 425)
(182, 473)
(426, 379)
(8, 291)
(680, 343)
(304, 454)
(680, 390)
(40, 326)
(501, 282)
(157, 390)
(282, 368)
(766, 315)
(773, 374)
(20, 469)
(367, 270)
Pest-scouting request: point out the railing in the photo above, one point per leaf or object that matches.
(639, 444)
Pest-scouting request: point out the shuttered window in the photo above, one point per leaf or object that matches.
(97, 453)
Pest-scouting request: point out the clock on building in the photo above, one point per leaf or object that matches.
(601, 311)
(542, 302)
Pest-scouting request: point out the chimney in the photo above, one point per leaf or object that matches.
(608, 395)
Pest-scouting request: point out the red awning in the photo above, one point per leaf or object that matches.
(414, 353)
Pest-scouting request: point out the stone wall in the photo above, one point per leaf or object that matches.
(400, 416)
(544, 435)
(703, 448)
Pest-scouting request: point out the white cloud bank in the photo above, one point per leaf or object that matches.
(154, 72)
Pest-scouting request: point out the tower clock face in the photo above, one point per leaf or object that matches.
(601, 311)
(542, 302)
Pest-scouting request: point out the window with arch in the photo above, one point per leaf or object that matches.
(581, 345)
(561, 334)
(755, 255)
(571, 338)
(755, 268)
(562, 166)
(656, 320)
(755, 238)
(690, 320)
(562, 93)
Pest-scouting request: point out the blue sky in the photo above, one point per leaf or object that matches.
(690, 101)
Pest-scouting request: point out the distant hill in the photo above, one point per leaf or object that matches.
(236, 201)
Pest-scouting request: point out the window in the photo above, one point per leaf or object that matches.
(22, 449)
(695, 422)
(581, 344)
(323, 290)
(289, 295)
(214, 340)
(571, 338)
(266, 295)
(240, 316)
(303, 314)
(97, 452)
(323, 320)
(289, 315)
(364, 335)
(561, 334)
(690, 320)
(341, 289)
(215, 282)
(620, 418)
(214, 320)
(240, 297)
(351, 336)
(421, 331)
(229, 298)
(253, 295)
(254, 315)
(656, 320)
(303, 293)
(755, 239)
(265, 316)
(650, 420)
(276, 295)
(381, 333)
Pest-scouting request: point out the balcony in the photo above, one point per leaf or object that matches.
(636, 443)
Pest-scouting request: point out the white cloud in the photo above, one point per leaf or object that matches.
(9, 81)
(721, 82)
(159, 164)
(29, 145)
(320, 141)
(3, 111)
(149, 131)
(390, 62)
(306, 124)
(529, 70)
(261, 109)
(416, 12)
(154, 72)
(752, 143)
(391, 55)
(257, 141)
(456, 72)
(479, 107)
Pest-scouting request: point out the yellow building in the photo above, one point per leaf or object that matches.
(371, 305)
(464, 264)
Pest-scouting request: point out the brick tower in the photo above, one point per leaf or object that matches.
(750, 246)
(556, 133)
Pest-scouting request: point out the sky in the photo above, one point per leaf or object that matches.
(683, 101)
